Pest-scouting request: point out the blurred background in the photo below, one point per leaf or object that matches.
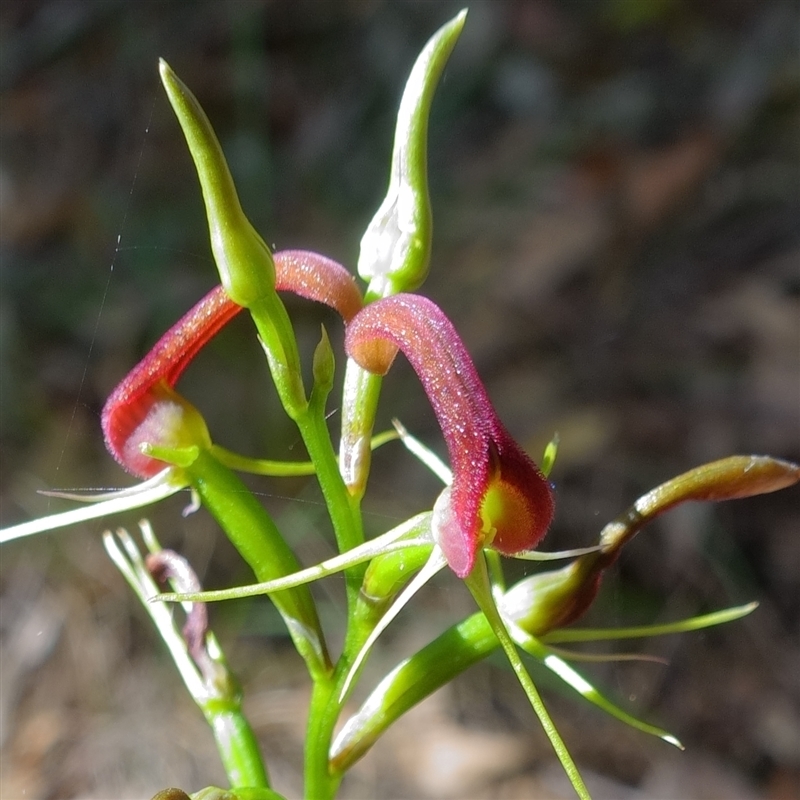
(616, 188)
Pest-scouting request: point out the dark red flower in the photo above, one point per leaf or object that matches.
(498, 497)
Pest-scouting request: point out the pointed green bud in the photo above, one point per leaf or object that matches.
(395, 248)
(245, 264)
(324, 365)
(243, 259)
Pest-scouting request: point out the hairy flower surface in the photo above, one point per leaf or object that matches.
(498, 496)
(143, 409)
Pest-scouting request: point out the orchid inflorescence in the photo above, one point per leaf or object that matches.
(495, 501)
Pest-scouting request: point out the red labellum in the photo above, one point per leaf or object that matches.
(498, 497)
(138, 409)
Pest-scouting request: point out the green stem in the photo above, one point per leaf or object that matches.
(359, 407)
(320, 782)
(478, 584)
(280, 347)
(345, 514)
(255, 536)
(237, 745)
(322, 777)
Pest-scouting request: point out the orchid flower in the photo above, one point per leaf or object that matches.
(143, 409)
(499, 497)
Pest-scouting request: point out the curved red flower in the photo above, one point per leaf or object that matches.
(143, 409)
(498, 497)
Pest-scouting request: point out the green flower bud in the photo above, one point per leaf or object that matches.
(324, 365)
(243, 259)
(396, 246)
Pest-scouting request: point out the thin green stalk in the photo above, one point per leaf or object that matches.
(478, 583)
(237, 745)
(323, 712)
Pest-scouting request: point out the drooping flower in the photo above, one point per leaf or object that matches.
(152, 431)
(498, 497)
(143, 409)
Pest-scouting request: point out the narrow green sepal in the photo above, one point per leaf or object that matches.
(262, 466)
(395, 249)
(245, 263)
(574, 679)
(641, 631)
